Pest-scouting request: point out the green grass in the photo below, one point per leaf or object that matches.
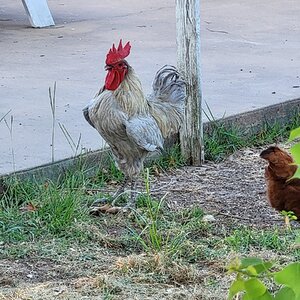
(243, 239)
(154, 243)
(223, 140)
(171, 158)
(62, 208)
(56, 213)
(109, 172)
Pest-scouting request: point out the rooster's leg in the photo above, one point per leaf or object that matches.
(115, 196)
(120, 191)
(110, 208)
(133, 195)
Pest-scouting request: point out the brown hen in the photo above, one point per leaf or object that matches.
(283, 191)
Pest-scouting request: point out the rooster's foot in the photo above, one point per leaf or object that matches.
(100, 201)
(97, 210)
(107, 209)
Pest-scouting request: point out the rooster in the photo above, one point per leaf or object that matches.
(131, 124)
(283, 191)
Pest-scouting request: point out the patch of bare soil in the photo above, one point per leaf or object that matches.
(232, 191)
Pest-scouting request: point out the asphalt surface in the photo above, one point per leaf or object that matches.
(250, 59)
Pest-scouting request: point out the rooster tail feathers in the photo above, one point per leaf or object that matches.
(168, 86)
(167, 100)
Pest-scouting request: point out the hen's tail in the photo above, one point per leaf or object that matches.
(168, 99)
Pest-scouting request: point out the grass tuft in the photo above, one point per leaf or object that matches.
(158, 267)
(171, 158)
(243, 239)
(222, 140)
(109, 173)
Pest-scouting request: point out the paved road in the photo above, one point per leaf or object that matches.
(250, 59)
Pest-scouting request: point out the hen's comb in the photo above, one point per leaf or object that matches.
(115, 55)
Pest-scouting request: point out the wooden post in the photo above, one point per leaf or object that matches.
(188, 61)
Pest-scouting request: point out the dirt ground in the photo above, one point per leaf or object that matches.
(232, 191)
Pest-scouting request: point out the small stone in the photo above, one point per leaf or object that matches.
(210, 198)
(209, 218)
(248, 152)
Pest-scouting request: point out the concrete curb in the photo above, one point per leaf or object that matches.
(250, 122)
(254, 120)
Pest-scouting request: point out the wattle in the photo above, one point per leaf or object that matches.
(112, 80)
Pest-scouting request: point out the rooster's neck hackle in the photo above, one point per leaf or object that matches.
(130, 96)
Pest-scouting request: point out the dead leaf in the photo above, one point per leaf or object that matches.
(95, 211)
(105, 209)
(113, 210)
(28, 207)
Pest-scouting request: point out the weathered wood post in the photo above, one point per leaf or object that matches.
(188, 61)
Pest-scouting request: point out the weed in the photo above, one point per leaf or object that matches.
(74, 146)
(170, 158)
(2, 118)
(222, 140)
(10, 128)
(52, 98)
(60, 211)
(161, 231)
(158, 265)
(244, 238)
(150, 237)
(56, 211)
(16, 192)
(109, 172)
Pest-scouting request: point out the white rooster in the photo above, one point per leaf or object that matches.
(131, 124)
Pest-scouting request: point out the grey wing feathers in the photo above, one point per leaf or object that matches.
(169, 86)
(145, 132)
(85, 110)
(87, 116)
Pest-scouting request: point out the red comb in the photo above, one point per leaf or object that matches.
(115, 55)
